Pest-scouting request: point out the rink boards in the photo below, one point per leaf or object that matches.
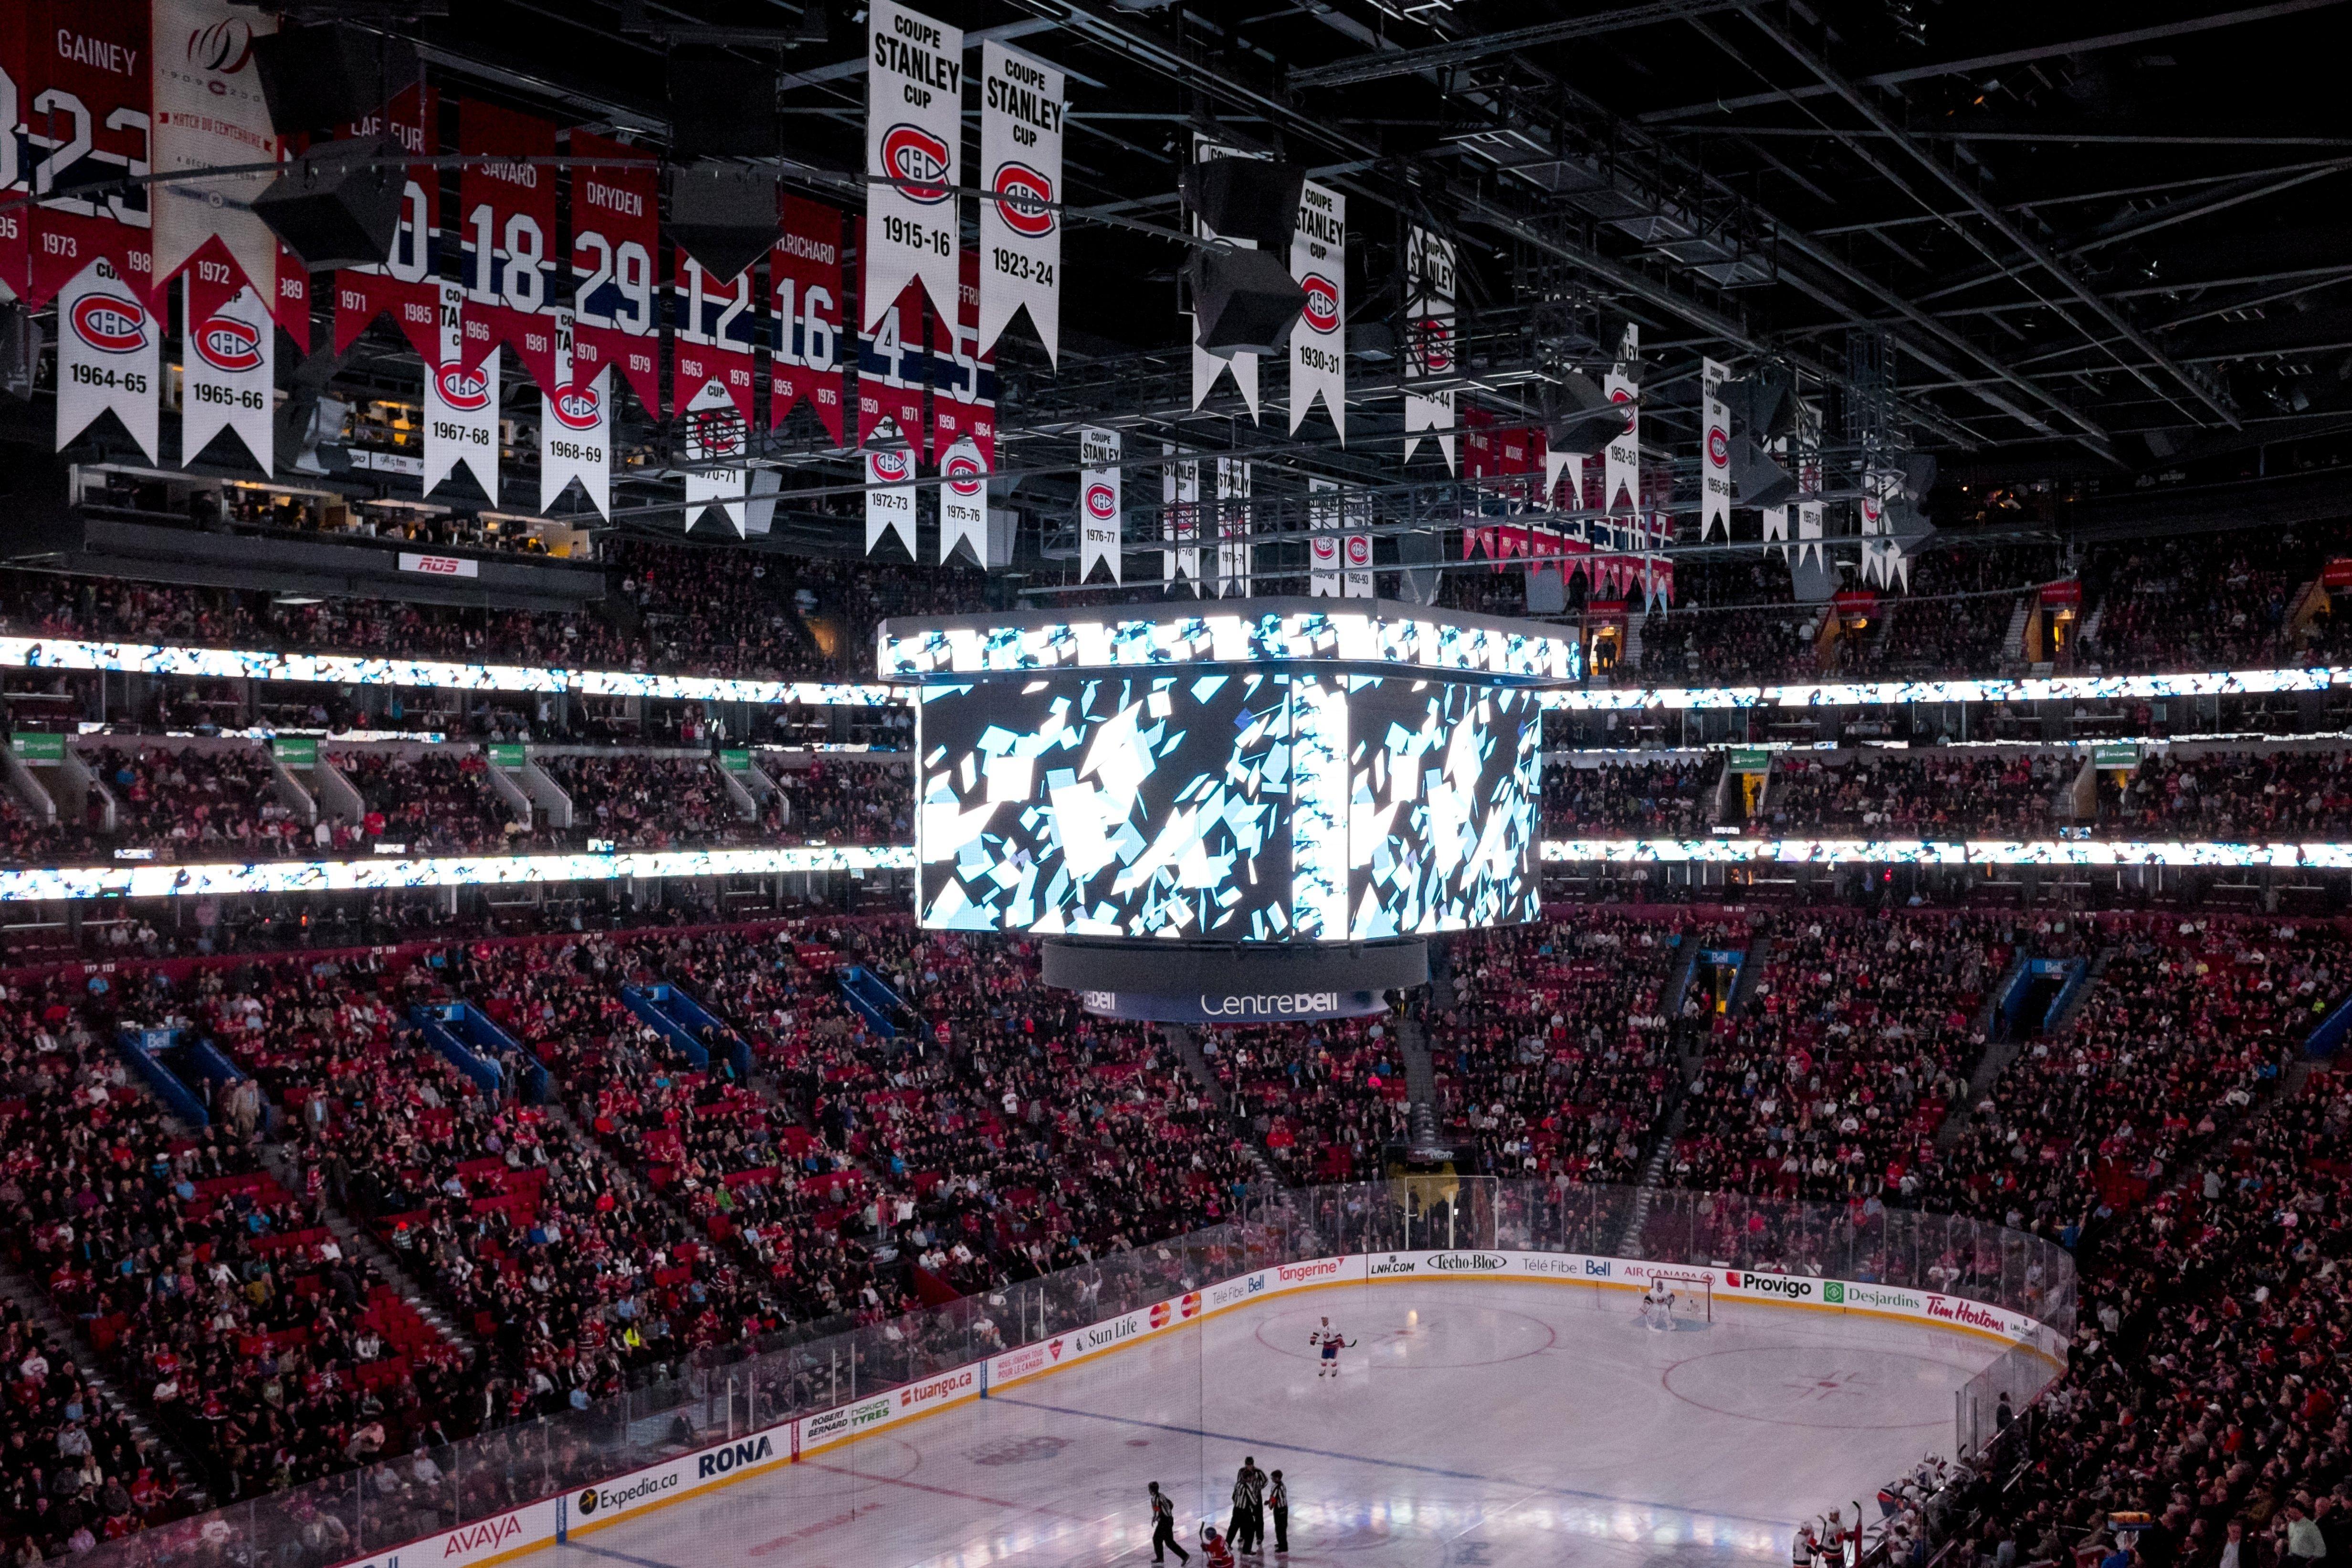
(626, 1497)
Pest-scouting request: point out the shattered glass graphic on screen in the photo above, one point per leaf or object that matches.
(1444, 781)
(1142, 805)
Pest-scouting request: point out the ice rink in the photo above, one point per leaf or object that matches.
(1498, 1423)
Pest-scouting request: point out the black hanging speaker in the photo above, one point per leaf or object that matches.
(1245, 198)
(1243, 302)
(1761, 403)
(723, 215)
(1578, 415)
(722, 104)
(339, 203)
(1759, 480)
(323, 77)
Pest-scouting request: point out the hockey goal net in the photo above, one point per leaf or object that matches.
(1693, 1294)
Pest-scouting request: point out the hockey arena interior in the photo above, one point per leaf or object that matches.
(1053, 783)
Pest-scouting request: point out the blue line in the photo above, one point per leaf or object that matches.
(1265, 1442)
(618, 1556)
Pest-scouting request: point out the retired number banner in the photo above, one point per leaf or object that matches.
(407, 287)
(616, 235)
(507, 234)
(1021, 169)
(805, 271)
(914, 157)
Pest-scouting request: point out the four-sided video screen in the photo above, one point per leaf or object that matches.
(1227, 804)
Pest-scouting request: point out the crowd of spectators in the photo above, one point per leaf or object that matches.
(2221, 600)
(1953, 617)
(434, 802)
(1556, 1054)
(841, 801)
(1325, 1099)
(1919, 794)
(639, 802)
(1648, 799)
(2230, 797)
(198, 803)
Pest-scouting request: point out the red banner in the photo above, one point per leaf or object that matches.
(717, 334)
(2059, 594)
(84, 100)
(615, 237)
(14, 23)
(2337, 573)
(805, 273)
(507, 233)
(407, 286)
(963, 385)
(893, 366)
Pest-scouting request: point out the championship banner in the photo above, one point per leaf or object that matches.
(1323, 547)
(1319, 345)
(1808, 479)
(1356, 548)
(1207, 367)
(890, 497)
(616, 235)
(1621, 473)
(461, 404)
(1715, 450)
(1233, 548)
(576, 425)
(1021, 169)
(892, 367)
(1098, 504)
(963, 378)
(716, 335)
(1429, 346)
(226, 375)
(507, 234)
(963, 502)
(209, 113)
(407, 287)
(109, 355)
(1180, 517)
(717, 430)
(804, 270)
(914, 157)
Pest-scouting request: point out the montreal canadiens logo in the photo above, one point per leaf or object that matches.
(1322, 310)
(913, 154)
(1325, 549)
(1718, 448)
(110, 325)
(229, 344)
(1437, 346)
(1360, 551)
(891, 465)
(464, 389)
(1022, 194)
(577, 408)
(1100, 503)
(1621, 395)
(224, 48)
(964, 476)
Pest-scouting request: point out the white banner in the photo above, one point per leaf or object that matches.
(575, 427)
(963, 501)
(1319, 346)
(208, 113)
(1429, 349)
(1180, 517)
(224, 376)
(1557, 462)
(1323, 547)
(1621, 473)
(891, 511)
(1715, 450)
(1021, 168)
(461, 406)
(1098, 504)
(1207, 367)
(914, 136)
(1233, 528)
(715, 433)
(1808, 479)
(110, 354)
(1357, 548)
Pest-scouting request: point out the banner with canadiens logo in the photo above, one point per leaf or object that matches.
(506, 232)
(209, 113)
(717, 440)
(1020, 112)
(616, 239)
(225, 373)
(1620, 461)
(407, 287)
(575, 427)
(109, 355)
(914, 157)
(963, 502)
(1318, 344)
(1234, 529)
(1429, 349)
(1715, 449)
(890, 497)
(963, 376)
(804, 274)
(1098, 504)
(1323, 547)
(461, 404)
(1180, 517)
(715, 334)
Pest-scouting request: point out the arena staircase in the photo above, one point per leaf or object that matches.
(1987, 1023)
(682, 1021)
(1187, 1046)
(1998, 1053)
(2012, 641)
(1632, 663)
(136, 1411)
(1752, 975)
(872, 999)
(1687, 1041)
